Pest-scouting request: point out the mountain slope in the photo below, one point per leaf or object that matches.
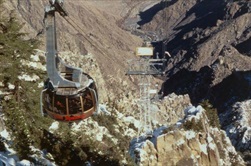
(95, 31)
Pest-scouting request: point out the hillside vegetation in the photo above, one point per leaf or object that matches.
(20, 105)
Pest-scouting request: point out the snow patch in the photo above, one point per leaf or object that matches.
(99, 137)
(54, 126)
(238, 124)
(179, 123)
(212, 146)
(11, 86)
(25, 163)
(203, 148)
(132, 120)
(190, 134)
(180, 142)
(102, 108)
(209, 139)
(9, 149)
(28, 78)
(41, 84)
(35, 58)
(247, 136)
(137, 123)
(35, 65)
(5, 134)
(191, 111)
(194, 112)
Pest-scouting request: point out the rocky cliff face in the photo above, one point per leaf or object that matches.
(236, 122)
(179, 146)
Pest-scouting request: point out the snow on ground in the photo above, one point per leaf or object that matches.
(136, 144)
(35, 58)
(8, 148)
(247, 135)
(156, 133)
(35, 61)
(212, 146)
(190, 134)
(40, 157)
(180, 142)
(5, 134)
(130, 119)
(24, 163)
(193, 112)
(54, 126)
(37, 65)
(26, 77)
(203, 148)
(210, 143)
(102, 131)
(11, 86)
(209, 138)
(102, 109)
(237, 124)
(41, 84)
(96, 131)
(9, 157)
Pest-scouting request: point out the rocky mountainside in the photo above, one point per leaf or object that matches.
(179, 145)
(210, 46)
(208, 41)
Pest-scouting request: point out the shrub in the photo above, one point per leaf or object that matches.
(193, 125)
(22, 110)
(167, 130)
(116, 154)
(211, 113)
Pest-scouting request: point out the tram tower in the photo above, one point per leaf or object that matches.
(144, 67)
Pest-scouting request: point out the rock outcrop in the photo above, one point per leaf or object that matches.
(183, 145)
(171, 108)
(237, 124)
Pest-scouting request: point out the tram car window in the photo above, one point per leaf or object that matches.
(75, 106)
(60, 105)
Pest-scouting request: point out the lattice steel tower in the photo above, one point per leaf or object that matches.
(144, 67)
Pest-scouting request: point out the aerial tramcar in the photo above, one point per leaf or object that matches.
(69, 94)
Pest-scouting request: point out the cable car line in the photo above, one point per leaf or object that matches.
(80, 30)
